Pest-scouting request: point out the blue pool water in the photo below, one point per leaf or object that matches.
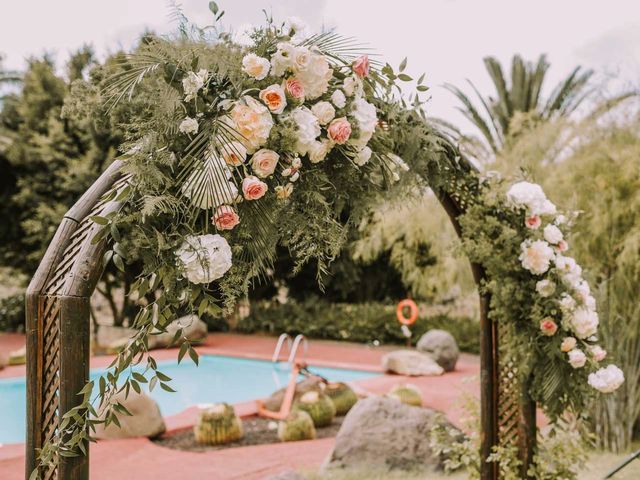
(217, 379)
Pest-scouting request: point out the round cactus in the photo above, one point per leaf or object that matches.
(342, 396)
(319, 407)
(297, 426)
(217, 425)
(409, 394)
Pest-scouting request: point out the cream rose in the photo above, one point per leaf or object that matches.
(318, 150)
(255, 66)
(366, 118)
(324, 112)
(315, 78)
(204, 258)
(252, 121)
(607, 380)
(282, 59)
(192, 83)
(189, 126)
(532, 197)
(253, 188)
(233, 153)
(352, 86)
(584, 322)
(552, 234)
(577, 358)
(363, 156)
(225, 218)
(301, 58)
(274, 98)
(568, 344)
(338, 99)
(545, 288)
(308, 129)
(536, 256)
(264, 162)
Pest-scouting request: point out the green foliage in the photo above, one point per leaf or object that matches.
(12, 313)
(364, 323)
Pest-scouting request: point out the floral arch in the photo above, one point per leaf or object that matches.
(241, 148)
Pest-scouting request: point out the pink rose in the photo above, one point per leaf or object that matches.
(548, 327)
(361, 66)
(339, 130)
(562, 246)
(294, 88)
(225, 218)
(264, 162)
(533, 222)
(253, 188)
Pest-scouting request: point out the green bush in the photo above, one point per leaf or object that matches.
(364, 323)
(12, 313)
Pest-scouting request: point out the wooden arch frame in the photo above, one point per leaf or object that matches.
(58, 318)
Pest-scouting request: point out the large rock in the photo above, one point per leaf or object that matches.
(410, 362)
(309, 384)
(146, 420)
(381, 432)
(193, 328)
(441, 345)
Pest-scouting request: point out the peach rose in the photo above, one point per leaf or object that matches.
(548, 327)
(225, 218)
(361, 66)
(339, 130)
(533, 222)
(274, 98)
(234, 153)
(294, 88)
(264, 162)
(253, 188)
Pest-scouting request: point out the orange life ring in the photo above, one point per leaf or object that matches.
(413, 315)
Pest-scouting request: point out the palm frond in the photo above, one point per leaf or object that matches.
(503, 107)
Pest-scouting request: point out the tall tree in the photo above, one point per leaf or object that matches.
(521, 93)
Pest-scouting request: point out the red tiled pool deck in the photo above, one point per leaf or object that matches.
(141, 459)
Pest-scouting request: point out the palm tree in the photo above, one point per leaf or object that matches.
(494, 115)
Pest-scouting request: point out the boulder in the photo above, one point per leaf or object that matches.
(145, 422)
(309, 384)
(286, 475)
(193, 328)
(18, 357)
(441, 345)
(381, 432)
(410, 362)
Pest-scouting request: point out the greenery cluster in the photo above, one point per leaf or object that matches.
(12, 313)
(371, 323)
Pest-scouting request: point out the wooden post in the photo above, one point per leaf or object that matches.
(526, 429)
(74, 373)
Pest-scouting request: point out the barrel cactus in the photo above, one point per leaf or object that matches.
(297, 426)
(342, 396)
(217, 425)
(409, 394)
(319, 407)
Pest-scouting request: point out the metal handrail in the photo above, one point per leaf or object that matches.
(281, 340)
(296, 345)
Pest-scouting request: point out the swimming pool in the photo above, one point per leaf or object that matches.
(217, 379)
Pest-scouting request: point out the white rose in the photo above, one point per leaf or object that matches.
(366, 118)
(567, 303)
(338, 99)
(569, 270)
(590, 302)
(252, 121)
(255, 66)
(552, 234)
(536, 256)
(363, 156)
(301, 58)
(264, 162)
(315, 78)
(584, 322)
(204, 258)
(318, 150)
(607, 380)
(577, 358)
(189, 126)
(545, 288)
(568, 344)
(324, 112)
(192, 83)
(532, 197)
(209, 185)
(597, 352)
(308, 129)
(352, 85)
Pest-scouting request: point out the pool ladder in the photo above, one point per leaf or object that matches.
(293, 346)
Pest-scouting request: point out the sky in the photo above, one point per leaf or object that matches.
(446, 39)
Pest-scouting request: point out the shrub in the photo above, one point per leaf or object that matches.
(319, 407)
(408, 394)
(297, 426)
(342, 396)
(217, 425)
(12, 313)
(364, 323)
